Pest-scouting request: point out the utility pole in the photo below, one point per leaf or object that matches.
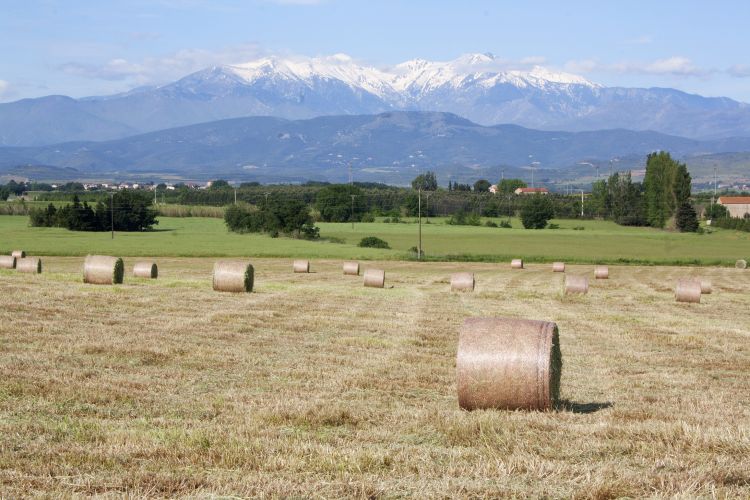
(154, 195)
(714, 195)
(581, 202)
(267, 199)
(235, 195)
(419, 210)
(352, 216)
(112, 212)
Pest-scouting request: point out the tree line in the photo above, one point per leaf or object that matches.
(126, 211)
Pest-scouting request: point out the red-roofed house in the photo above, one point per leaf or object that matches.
(531, 191)
(737, 206)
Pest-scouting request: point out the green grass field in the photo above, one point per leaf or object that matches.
(600, 241)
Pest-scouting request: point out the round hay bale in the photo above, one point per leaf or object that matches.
(706, 287)
(31, 265)
(558, 267)
(18, 254)
(508, 364)
(233, 276)
(688, 290)
(462, 282)
(103, 270)
(145, 269)
(375, 278)
(741, 264)
(7, 262)
(576, 284)
(601, 272)
(516, 264)
(301, 266)
(351, 268)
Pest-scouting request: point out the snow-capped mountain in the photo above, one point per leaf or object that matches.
(474, 86)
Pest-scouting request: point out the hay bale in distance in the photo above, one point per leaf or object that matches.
(7, 262)
(601, 272)
(375, 278)
(516, 264)
(508, 364)
(576, 284)
(741, 264)
(18, 254)
(351, 268)
(558, 267)
(462, 282)
(146, 269)
(31, 265)
(688, 290)
(301, 266)
(103, 270)
(706, 286)
(233, 276)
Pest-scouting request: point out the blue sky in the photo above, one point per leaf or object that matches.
(87, 47)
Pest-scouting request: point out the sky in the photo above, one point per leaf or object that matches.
(89, 47)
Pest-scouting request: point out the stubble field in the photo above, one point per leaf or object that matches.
(315, 386)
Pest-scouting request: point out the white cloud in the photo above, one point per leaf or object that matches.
(154, 70)
(533, 61)
(671, 66)
(739, 70)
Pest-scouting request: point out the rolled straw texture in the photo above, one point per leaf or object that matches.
(103, 270)
(741, 264)
(558, 267)
(576, 284)
(516, 264)
(351, 268)
(301, 266)
(7, 262)
(706, 287)
(18, 254)
(508, 364)
(146, 270)
(233, 276)
(601, 272)
(688, 290)
(462, 282)
(375, 278)
(31, 265)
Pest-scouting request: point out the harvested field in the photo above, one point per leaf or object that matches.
(166, 388)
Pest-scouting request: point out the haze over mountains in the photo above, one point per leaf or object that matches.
(470, 86)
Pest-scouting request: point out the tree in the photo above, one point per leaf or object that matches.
(537, 211)
(686, 219)
(482, 186)
(667, 186)
(219, 184)
(716, 211)
(427, 181)
(509, 186)
(334, 203)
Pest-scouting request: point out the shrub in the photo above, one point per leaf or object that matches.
(373, 242)
(537, 211)
(415, 251)
(686, 218)
(553, 226)
(368, 217)
(506, 224)
(489, 223)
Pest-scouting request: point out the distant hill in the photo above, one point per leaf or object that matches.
(386, 147)
(470, 86)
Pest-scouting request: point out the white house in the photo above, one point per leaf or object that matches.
(737, 206)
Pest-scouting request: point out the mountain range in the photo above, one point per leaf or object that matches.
(472, 86)
(388, 147)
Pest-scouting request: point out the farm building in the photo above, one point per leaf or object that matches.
(523, 191)
(737, 206)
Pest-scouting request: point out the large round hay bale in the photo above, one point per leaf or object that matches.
(508, 364)
(601, 272)
(31, 265)
(462, 282)
(576, 284)
(741, 264)
(706, 286)
(18, 254)
(146, 269)
(351, 268)
(233, 276)
(558, 267)
(7, 262)
(301, 266)
(516, 264)
(103, 270)
(375, 278)
(688, 290)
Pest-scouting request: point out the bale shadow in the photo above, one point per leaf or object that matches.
(575, 407)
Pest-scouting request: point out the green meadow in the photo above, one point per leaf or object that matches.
(592, 241)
